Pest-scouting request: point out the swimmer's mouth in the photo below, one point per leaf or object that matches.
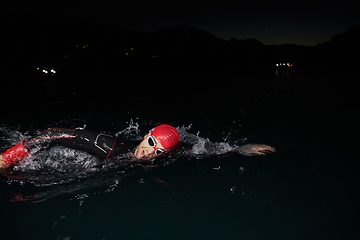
(142, 154)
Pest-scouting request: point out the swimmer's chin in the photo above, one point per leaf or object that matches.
(141, 154)
(145, 158)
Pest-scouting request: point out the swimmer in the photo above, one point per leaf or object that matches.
(158, 141)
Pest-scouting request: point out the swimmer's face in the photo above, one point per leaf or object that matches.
(145, 150)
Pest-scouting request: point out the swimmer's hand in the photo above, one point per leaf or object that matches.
(255, 149)
(2, 163)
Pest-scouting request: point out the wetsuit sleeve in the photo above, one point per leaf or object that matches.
(31, 145)
(15, 154)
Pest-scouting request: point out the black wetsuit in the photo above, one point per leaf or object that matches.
(101, 145)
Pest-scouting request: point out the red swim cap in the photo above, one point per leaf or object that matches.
(167, 135)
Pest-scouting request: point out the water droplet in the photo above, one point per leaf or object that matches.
(217, 168)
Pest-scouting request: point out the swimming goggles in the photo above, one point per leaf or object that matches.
(152, 143)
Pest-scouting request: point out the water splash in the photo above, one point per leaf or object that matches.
(202, 147)
(61, 170)
(130, 131)
(9, 137)
(59, 159)
(67, 161)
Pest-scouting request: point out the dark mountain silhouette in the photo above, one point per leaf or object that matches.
(343, 49)
(102, 56)
(350, 38)
(73, 44)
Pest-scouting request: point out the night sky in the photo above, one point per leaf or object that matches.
(271, 22)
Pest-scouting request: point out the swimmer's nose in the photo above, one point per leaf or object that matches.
(151, 151)
(148, 151)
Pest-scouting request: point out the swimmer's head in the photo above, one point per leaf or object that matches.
(158, 140)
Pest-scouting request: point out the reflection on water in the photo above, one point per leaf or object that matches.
(282, 74)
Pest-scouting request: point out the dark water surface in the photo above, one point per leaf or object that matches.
(306, 190)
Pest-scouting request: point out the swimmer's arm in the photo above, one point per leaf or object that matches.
(251, 149)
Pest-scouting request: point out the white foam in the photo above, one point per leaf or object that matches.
(130, 131)
(11, 137)
(59, 165)
(59, 159)
(203, 146)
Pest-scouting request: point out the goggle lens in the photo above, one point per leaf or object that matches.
(151, 141)
(158, 151)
